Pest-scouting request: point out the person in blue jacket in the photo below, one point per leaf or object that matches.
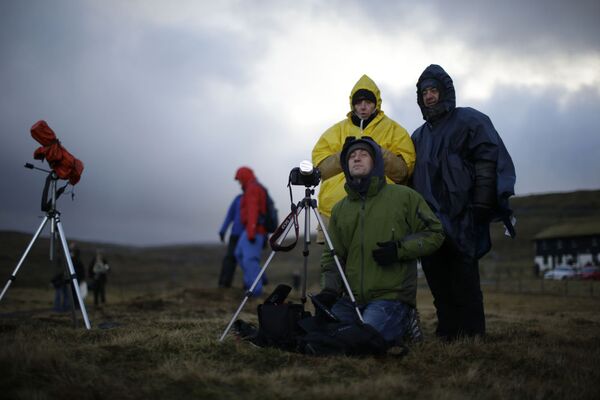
(233, 219)
(466, 175)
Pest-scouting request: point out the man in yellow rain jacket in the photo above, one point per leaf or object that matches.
(364, 119)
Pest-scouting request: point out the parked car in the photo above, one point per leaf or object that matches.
(591, 273)
(560, 273)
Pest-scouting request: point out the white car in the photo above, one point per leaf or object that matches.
(560, 273)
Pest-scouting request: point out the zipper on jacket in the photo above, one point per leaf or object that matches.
(362, 248)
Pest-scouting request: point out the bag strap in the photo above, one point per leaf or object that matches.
(292, 217)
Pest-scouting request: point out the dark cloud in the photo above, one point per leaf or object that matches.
(553, 146)
(512, 25)
(525, 26)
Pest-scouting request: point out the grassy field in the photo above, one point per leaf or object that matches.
(165, 346)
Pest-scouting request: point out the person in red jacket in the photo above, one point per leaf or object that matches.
(253, 207)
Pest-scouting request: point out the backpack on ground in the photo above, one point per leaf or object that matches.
(342, 338)
(277, 322)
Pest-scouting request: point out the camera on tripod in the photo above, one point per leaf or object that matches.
(305, 175)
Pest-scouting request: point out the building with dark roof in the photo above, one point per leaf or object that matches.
(576, 242)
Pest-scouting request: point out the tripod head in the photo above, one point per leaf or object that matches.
(50, 193)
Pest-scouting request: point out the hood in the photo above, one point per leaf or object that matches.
(245, 175)
(447, 100)
(366, 83)
(375, 180)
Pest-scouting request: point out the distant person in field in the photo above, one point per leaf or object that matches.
(365, 118)
(98, 272)
(253, 205)
(63, 284)
(79, 268)
(62, 298)
(233, 218)
(466, 175)
(378, 231)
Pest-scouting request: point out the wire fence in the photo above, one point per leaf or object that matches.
(565, 287)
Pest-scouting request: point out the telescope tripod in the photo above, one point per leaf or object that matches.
(280, 234)
(52, 215)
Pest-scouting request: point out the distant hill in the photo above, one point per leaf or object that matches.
(199, 264)
(195, 265)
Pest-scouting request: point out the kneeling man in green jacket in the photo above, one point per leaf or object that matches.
(378, 231)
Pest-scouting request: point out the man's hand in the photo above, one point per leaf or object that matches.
(387, 253)
(222, 236)
(330, 166)
(394, 166)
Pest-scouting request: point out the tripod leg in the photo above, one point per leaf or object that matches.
(247, 296)
(14, 274)
(305, 253)
(73, 277)
(338, 264)
(258, 278)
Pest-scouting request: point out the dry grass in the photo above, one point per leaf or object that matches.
(165, 346)
(158, 340)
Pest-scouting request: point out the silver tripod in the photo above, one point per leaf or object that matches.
(283, 230)
(53, 216)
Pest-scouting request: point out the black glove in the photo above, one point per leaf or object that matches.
(387, 253)
(222, 236)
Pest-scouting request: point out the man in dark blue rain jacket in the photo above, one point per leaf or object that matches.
(466, 175)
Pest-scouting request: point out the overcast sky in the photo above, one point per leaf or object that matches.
(164, 100)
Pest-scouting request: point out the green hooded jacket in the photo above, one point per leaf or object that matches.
(359, 221)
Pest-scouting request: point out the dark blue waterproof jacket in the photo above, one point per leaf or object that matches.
(448, 145)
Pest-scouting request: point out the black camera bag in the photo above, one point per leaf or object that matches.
(278, 324)
(342, 338)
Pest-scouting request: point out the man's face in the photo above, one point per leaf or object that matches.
(360, 163)
(364, 108)
(431, 96)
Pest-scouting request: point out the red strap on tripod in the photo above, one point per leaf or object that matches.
(292, 217)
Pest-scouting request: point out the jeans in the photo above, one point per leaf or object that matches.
(62, 301)
(388, 317)
(248, 256)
